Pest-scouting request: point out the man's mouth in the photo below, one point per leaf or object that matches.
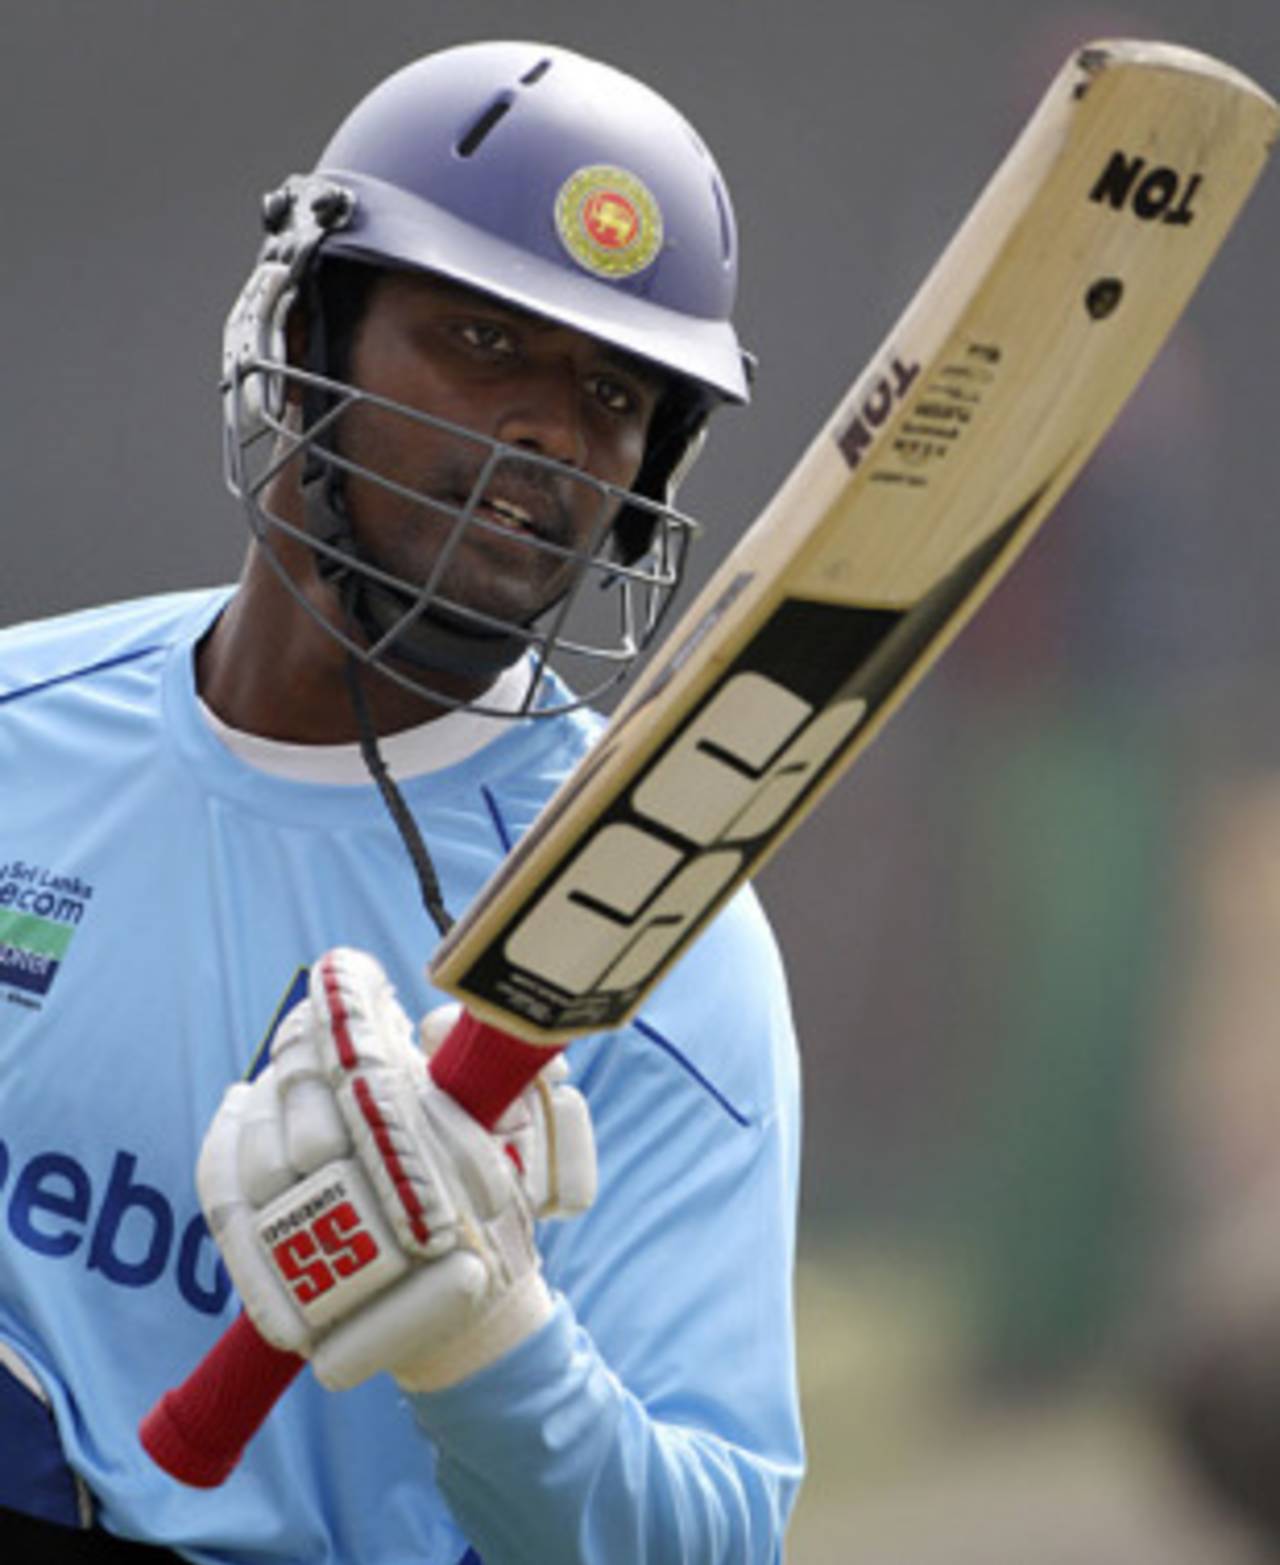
(534, 515)
(517, 500)
(510, 515)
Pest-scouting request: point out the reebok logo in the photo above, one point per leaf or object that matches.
(127, 1230)
(40, 912)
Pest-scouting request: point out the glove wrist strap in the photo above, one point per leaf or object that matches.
(521, 1311)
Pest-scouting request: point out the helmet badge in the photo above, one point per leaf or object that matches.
(608, 221)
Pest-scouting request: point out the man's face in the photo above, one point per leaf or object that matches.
(445, 350)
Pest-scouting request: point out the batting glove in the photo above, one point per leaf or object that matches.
(367, 1220)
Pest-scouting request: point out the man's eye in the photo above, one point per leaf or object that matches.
(487, 337)
(615, 394)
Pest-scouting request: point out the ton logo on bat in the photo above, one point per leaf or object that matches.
(1160, 192)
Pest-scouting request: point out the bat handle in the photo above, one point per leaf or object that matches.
(197, 1432)
(486, 1069)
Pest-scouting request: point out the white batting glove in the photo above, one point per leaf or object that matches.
(367, 1221)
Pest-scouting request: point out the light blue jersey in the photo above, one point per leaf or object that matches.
(158, 900)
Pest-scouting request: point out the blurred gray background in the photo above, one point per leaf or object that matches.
(1031, 939)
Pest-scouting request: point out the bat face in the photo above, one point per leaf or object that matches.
(725, 786)
(580, 953)
(930, 477)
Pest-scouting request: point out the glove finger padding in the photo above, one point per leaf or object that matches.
(446, 1185)
(548, 1135)
(366, 1055)
(312, 1129)
(233, 1220)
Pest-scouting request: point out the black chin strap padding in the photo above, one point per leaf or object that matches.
(315, 401)
(325, 516)
(677, 422)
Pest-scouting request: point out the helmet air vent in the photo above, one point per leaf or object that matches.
(536, 74)
(726, 223)
(470, 141)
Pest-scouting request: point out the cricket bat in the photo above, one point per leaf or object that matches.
(927, 481)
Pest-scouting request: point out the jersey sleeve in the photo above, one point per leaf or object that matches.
(655, 1418)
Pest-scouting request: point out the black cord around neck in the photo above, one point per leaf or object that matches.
(415, 846)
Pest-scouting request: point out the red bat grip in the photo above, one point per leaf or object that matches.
(198, 1431)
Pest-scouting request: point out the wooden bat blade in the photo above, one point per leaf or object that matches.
(935, 470)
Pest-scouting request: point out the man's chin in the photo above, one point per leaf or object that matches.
(511, 598)
(457, 637)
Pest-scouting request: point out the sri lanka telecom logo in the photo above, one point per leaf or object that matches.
(40, 912)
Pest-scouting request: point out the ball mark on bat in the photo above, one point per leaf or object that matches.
(1103, 296)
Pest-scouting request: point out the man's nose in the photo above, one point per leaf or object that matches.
(546, 414)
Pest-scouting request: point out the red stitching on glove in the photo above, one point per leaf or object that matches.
(368, 1107)
(338, 1014)
(408, 1196)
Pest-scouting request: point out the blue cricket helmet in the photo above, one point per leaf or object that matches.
(464, 163)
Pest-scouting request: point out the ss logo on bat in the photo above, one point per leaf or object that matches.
(630, 893)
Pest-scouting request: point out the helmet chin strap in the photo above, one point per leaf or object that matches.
(436, 640)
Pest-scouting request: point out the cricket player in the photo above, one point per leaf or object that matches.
(478, 351)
